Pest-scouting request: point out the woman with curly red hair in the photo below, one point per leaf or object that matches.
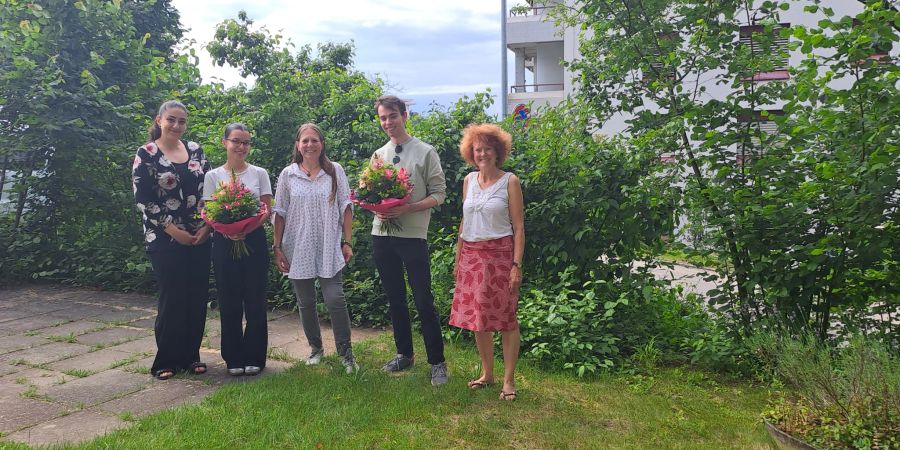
(489, 253)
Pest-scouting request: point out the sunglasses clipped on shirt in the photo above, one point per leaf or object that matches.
(398, 150)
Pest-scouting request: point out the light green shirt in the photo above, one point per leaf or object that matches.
(425, 172)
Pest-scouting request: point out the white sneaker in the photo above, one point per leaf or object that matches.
(315, 357)
(350, 365)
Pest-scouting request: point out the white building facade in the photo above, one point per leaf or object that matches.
(540, 47)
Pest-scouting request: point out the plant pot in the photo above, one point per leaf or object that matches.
(785, 441)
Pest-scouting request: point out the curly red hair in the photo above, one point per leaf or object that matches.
(485, 133)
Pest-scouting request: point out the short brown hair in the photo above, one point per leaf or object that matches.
(486, 133)
(391, 102)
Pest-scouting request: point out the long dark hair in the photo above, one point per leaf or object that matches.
(155, 131)
(324, 162)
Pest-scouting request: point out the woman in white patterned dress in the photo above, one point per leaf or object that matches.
(313, 226)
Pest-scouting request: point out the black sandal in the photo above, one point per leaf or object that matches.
(480, 384)
(163, 374)
(198, 368)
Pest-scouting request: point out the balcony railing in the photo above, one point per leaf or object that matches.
(525, 11)
(545, 87)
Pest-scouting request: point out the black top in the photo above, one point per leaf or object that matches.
(168, 192)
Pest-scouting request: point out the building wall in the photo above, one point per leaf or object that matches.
(533, 29)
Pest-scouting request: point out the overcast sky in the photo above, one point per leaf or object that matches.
(425, 50)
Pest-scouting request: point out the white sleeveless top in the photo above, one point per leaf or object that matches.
(486, 211)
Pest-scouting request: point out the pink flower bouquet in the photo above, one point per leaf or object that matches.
(234, 210)
(382, 186)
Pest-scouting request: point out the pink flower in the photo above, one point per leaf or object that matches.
(228, 206)
(151, 148)
(136, 162)
(388, 173)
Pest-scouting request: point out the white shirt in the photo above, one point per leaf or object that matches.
(486, 211)
(312, 225)
(253, 177)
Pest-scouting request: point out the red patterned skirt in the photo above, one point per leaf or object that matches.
(482, 300)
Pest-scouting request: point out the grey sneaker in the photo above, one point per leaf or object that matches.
(398, 363)
(349, 363)
(252, 370)
(439, 374)
(315, 357)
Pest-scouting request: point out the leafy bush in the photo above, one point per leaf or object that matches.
(840, 397)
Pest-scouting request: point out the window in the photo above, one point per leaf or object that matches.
(666, 42)
(767, 44)
(763, 132)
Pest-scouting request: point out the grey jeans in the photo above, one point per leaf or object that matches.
(333, 291)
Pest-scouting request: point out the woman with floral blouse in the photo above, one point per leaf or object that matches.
(167, 175)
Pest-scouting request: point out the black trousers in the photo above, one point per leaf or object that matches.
(241, 288)
(392, 255)
(182, 275)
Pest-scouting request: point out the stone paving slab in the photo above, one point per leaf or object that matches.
(92, 362)
(37, 377)
(148, 322)
(76, 427)
(80, 311)
(112, 336)
(29, 323)
(74, 328)
(142, 365)
(11, 314)
(20, 342)
(7, 368)
(144, 344)
(97, 388)
(159, 397)
(30, 412)
(47, 353)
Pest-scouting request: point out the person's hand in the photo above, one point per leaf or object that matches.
(395, 212)
(515, 278)
(180, 235)
(347, 252)
(201, 236)
(281, 262)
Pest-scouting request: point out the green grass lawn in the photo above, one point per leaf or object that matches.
(320, 407)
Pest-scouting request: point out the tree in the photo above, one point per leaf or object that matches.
(803, 216)
(75, 79)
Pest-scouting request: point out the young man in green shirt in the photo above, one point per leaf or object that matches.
(408, 247)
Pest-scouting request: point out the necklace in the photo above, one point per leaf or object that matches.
(309, 172)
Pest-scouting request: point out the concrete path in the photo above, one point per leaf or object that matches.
(74, 363)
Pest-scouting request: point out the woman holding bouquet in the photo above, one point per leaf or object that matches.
(167, 177)
(241, 281)
(489, 253)
(313, 225)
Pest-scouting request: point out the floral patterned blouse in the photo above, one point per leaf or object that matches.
(168, 192)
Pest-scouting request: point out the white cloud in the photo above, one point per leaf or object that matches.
(422, 47)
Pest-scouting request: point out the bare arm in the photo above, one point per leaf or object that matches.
(281, 262)
(347, 233)
(517, 217)
(462, 219)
